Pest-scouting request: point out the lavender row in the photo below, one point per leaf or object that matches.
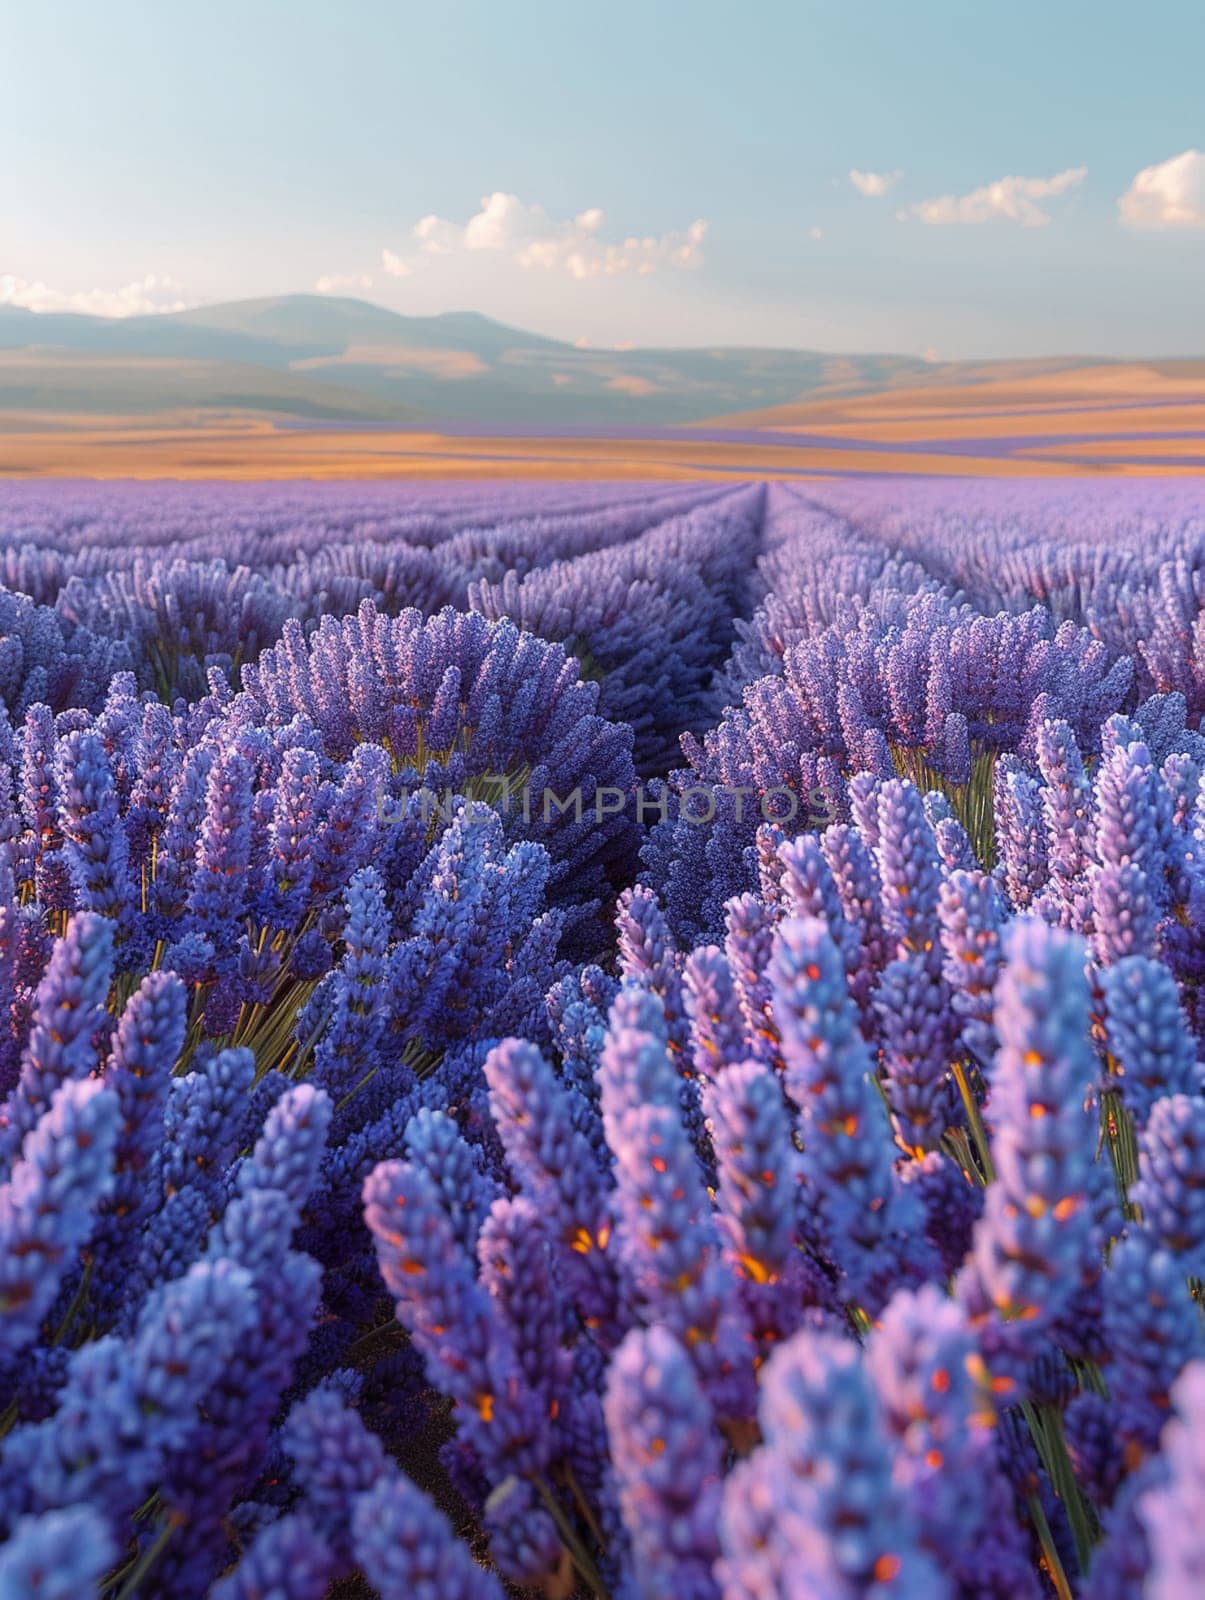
(404, 1195)
(644, 592)
(856, 1253)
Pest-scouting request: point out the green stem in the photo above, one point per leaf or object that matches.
(146, 1561)
(1046, 1428)
(77, 1302)
(1118, 1128)
(582, 1559)
(584, 1507)
(1054, 1564)
(978, 1131)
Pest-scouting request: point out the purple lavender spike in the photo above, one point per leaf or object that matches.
(1037, 1238)
(668, 1458)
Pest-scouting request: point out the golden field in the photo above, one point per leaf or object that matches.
(1134, 419)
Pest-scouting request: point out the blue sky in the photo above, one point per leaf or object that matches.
(672, 173)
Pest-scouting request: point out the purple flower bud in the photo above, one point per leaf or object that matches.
(556, 1168)
(908, 868)
(61, 1555)
(747, 946)
(919, 1038)
(1151, 1051)
(288, 1557)
(669, 1462)
(717, 1024)
(451, 1319)
(1172, 1510)
(1125, 916)
(1153, 1329)
(972, 918)
(1170, 1191)
(523, 1537)
(409, 1551)
(203, 1120)
(759, 1184)
(936, 1406)
(220, 885)
(847, 1147)
(1037, 1240)
(48, 1208)
(68, 1013)
(670, 1248)
(814, 1511)
(1067, 811)
(335, 1459)
(95, 845)
(1020, 834)
(289, 868)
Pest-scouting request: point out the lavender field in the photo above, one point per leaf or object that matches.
(594, 1039)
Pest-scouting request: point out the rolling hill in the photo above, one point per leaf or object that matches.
(310, 357)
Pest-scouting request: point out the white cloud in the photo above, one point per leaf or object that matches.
(394, 265)
(434, 235)
(148, 294)
(816, 233)
(874, 185)
(1013, 199)
(527, 235)
(340, 282)
(1168, 195)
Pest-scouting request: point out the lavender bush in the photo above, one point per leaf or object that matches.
(773, 1170)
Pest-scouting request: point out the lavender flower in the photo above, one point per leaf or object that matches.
(1170, 1192)
(1171, 1511)
(289, 870)
(669, 1463)
(814, 1512)
(557, 1168)
(451, 1319)
(287, 1557)
(523, 1537)
(908, 868)
(971, 911)
(747, 946)
(220, 885)
(918, 1042)
(935, 1401)
(146, 1047)
(203, 1119)
(759, 1192)
(408, 1550)
(846, 1158)
(1153, 1329)
(48, 1207)
(1037, 1238)
(516, 1258)
(95, 845)
(1067, 812)
(68, 1012)
(128, 1405)
(717, 1025)
(1150, 1050)
(670, 1249)
(1020, 836)
(60, 1555)
(335, 1459)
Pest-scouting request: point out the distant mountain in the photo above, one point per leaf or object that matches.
(327, 358)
